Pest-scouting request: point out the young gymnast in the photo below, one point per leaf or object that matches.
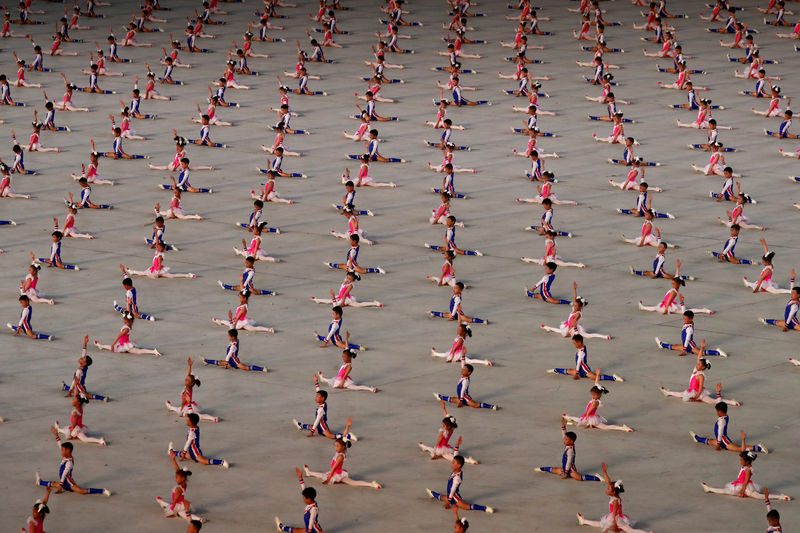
(688, 346)
(567, 470)
(188, 405)
(721, 441)
(178, 504)
(254, 250)
(364, 179)
(27, 286)
(658, 267)
(157, 270)
(85, 201)
(353, 227)
(458, 351)
(122, 342)
(35, 522)
(175, 210)
(582, 368)
(765, 283)
(550, 255)
(450, 240)
(791, 318)
(442, 448)
(462, 397)
(76, 429)
(744, 486)
(337, 473)
(191, 449)
(448, 272)
(334, 336)
(572, 325)
(342, 380)
(452, 498)
(455, 312)
(541, 291)
(351, 260)
(239, 319)
(696, 391)
(232, 356)
(269, 194)
(246, 279)
(320, 425)
(668, 305)
(773, 516)
(736, 215)
(24, 324)
(310, 513)
(77, 386)
(345, 297)
(545, 193)
(590, 419)
(615, 520)
(65, 482)
(727, 253)
(651, 235)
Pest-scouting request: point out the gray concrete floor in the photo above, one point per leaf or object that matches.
(661, 468)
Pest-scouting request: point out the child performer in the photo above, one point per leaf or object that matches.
(790, 315)
(179, 505)
(572, 325)
(696, 392)
(157, 270)
(453, 497)
(442, 449)
(458, 352)
(582, 368)
(669, 305)
(310, 512)
(590, 419)
(615, 520)
(191, 450)
(687, 340)
(122, 342)
(65, 482)
(24, 324)
(462, 397)
(744, 486)
(721, 441)
(765, 283)
(27, 286)
(320, 425)
(342, 380)
(239, 320)
(337, 472)
(188, 405)
(232, 356)
(567, 468)
(76, 429)
(345, 297)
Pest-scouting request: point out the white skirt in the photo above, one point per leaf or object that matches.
(687, 395)
(607, 522)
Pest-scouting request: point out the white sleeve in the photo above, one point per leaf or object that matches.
(318, 420)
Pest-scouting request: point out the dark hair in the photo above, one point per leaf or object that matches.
(547, 201)
(337, 309)
(184, 473)
(768, 256)
(571, 435)
(450, 421)
(552, 266)
(345, 443)
(599, 389)
(749, 456)
(67, 445)
(193, 418)
(233, 333)
(88, 360)
(688, 314)
(459, 460)
(24, 298)
(577, 337)
(773, 514)
(127, 281)
(323, 393)
(736, 227)
(310, 493)
(467, 329)
(469, 368)
(352, 354)
(355, 237)
(721, 406)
